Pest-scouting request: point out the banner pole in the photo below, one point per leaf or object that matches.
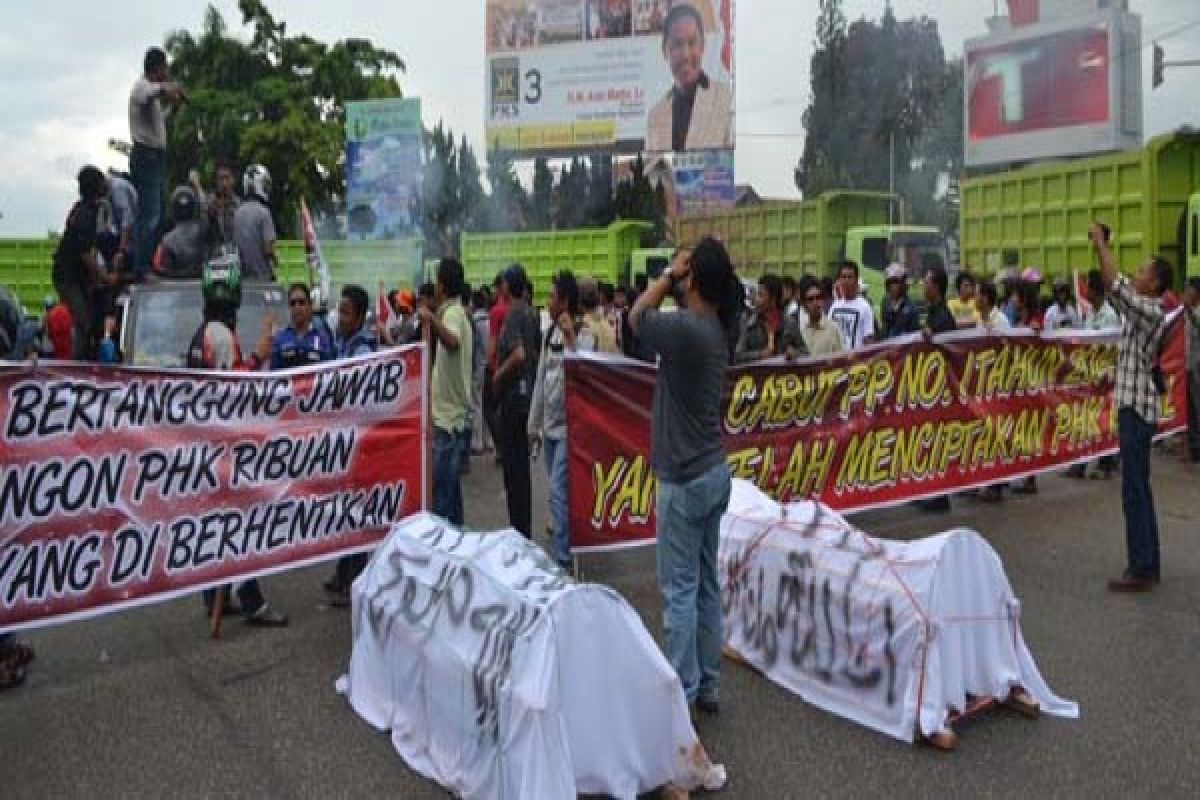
(214, 622)
(426, 421)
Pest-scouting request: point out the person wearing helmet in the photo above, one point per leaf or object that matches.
(897, 312)
(253, 226)
(215, 346)
(183, 251)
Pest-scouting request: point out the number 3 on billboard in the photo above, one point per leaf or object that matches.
(534, 95)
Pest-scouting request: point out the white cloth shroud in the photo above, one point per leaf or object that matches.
(871, 629)
(500, 677)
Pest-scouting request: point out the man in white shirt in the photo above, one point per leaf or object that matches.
(991, 318)
(1062, 312)
(1101, 316)
(851, 311)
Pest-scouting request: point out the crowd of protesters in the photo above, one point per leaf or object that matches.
(498, 362)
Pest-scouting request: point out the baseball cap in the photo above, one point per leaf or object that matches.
(1031, 275)
(895, 272)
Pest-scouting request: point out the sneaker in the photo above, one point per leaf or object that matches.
(11, 676)
(266, 617)
(17, 655)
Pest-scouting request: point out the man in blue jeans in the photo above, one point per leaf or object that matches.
(148, 160)
(451, 388)
(694, 349)
(1138, 386)
(547, 409)
(353, 339)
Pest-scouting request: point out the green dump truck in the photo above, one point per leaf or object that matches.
(25, 265)
(1039, 215)
(613, 254)
(812, 237)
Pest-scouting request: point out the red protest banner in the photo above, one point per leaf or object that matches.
(893, 423)
(123, 486)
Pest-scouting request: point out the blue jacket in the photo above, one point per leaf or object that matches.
(358, 343)
(290, 349)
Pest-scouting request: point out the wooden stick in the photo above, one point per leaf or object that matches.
(427, 387)
(214, 623)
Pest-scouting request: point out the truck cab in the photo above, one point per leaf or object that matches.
(874, 247)
(158, 320)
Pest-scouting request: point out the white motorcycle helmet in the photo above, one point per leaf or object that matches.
(256, 181)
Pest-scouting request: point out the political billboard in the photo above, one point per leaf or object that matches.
(1061, 88)
(581, 76)
(383, 163)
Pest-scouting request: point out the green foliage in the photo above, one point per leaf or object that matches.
(638, 198)
(875, 83)
(276, 100)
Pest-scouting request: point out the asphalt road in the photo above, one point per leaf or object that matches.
(143, 704)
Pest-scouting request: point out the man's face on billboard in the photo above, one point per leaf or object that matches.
(684, 49)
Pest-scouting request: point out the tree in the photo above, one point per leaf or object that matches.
(542, 201)
(507, 205)
(824, 152)
(439, 213)
(278, 100)
(637, 198)
(879, 87)
(600, 211)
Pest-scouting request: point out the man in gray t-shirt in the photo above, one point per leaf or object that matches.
(253, 227)
(686, 419)
(693, 479)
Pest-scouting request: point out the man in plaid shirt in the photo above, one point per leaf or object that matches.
(1138, 386)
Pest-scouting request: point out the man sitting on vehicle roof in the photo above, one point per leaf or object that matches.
(183, 251)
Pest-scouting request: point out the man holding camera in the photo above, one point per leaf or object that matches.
(1138, 386)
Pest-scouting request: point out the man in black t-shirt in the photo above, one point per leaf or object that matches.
(516, 372)
(77, 273)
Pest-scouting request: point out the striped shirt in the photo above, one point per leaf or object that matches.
(1141, 334)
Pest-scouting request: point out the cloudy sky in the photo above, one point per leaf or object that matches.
(68, 66)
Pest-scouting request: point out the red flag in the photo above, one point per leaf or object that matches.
(383, 311)
(1081, 301)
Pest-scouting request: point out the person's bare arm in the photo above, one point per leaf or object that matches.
(446, 337)
(657, 291)
(1108, 263)
(515, 360)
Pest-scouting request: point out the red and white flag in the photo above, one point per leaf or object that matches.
(318, 270)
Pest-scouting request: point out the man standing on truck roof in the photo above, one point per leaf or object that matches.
(253, 227)
(215, 346)
(148, 159)
(1138, 386)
